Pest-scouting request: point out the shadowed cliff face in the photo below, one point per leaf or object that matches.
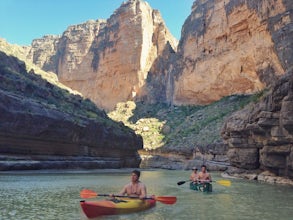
(40, 121)
(261, 136)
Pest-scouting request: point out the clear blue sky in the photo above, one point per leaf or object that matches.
(21, 21)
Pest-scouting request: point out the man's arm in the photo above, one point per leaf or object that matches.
(191, 178)
(123, 191)
(143, 192)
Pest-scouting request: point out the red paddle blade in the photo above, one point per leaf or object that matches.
(87, 193)
(166, 199)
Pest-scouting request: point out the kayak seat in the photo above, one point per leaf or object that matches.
(117, 200)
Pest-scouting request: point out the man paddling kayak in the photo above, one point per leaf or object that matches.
(135, 187)
(205, 179)
(203, 175)
(194, 175)
(194, 179)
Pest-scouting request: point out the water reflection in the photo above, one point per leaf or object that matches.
(40, 195)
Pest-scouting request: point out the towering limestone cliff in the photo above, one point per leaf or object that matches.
(45, 57)
(107, 61)
(227, 47)
(260, 136)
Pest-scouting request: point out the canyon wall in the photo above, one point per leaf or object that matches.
(230, 47)
(45, 57)
(45, 127)
(236, 47)
(107, 61)
(226, 47)
(261, 135)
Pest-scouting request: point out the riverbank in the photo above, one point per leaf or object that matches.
(45, 162)
(256, 175)
(57, 164)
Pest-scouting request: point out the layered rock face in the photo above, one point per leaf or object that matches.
(108, 61)
(43, 126)
(45, 57)
(231, 47)
(261, 136)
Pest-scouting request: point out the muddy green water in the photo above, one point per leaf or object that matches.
(55, 195)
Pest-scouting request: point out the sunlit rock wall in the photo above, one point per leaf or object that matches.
(108, 61)
(231, 47)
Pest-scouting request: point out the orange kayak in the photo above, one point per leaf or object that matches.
(93, 209)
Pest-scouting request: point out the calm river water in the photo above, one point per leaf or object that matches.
(55, 195)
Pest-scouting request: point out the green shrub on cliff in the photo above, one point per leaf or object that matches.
(172, 128)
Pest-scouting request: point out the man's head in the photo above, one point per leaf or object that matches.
(135, 175)
(203, 167)
(194, 169)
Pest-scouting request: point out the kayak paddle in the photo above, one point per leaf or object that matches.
(221, 182)
(87, 193)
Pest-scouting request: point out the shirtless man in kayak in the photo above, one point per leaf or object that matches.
(194, 175)
(203, 175)
(205, 179)
(135, 187)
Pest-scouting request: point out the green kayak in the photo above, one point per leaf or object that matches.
(203, 187)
